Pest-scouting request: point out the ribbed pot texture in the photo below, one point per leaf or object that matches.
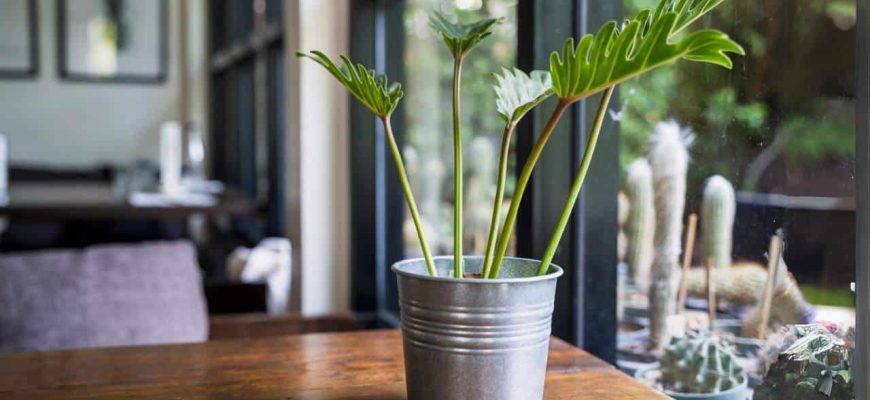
(475, 339)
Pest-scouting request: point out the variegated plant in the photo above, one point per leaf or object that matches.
(460, 39)
(516, 95)
(595, 64)
(380, 96)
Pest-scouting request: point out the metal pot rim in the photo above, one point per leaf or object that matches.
(555, 272)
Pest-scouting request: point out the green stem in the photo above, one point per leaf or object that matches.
(522, 181)
(499, 195)
(457, 172)
(409, 196)
(578, 183)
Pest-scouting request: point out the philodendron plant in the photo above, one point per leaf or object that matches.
(594, 64)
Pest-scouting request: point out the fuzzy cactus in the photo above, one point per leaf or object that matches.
(717, 220)
(815, 365)
(697, 363)
(640, 226)
(669, 159)
(743, 284)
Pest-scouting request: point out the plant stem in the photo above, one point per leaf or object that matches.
(457, 171)
(578, 183)
(499, 194)
(409, 196)
(522, 181)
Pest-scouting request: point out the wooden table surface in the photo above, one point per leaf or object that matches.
(340, 366)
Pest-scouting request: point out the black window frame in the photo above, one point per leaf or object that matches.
(247, 106)
(862, 200)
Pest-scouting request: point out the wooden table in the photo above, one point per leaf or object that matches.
(340, 366)
(93, 200)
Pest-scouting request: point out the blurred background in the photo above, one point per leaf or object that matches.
(147, 164)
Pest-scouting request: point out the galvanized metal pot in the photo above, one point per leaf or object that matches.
(476, 339)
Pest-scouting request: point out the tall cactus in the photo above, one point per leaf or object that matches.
(669, 159)
(697, 363)
(717, 220)
(640, 227)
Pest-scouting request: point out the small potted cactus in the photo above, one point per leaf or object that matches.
(814, 364)
(698, 366)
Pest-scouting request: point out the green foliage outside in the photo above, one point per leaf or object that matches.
(785, 110)
(828, 297)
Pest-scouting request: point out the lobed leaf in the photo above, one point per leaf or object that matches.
(648, 41)
(518, 93)
(372, 90)
(460, 38)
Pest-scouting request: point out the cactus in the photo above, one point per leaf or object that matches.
(697, 363)
(717, 220)
(669, 159)
(743, 284)
(815, 365)
(640, 227)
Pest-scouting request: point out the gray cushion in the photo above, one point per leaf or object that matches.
(108, 295)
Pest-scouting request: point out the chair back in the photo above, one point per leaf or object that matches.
(106, 295)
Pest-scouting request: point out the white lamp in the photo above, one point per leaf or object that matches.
(170, 158)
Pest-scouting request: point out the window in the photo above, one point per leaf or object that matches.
(779, 128)
(779, 132)
(247, 113)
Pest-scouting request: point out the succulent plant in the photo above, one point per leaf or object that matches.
(717, 220)
(669, 158)
(640, 226)
(743, 284)
(814, 365)
(700, 363)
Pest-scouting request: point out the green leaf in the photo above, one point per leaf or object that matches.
(648, 41)
(373, 91)
(688, 11)
(518, 93)
(460, 38)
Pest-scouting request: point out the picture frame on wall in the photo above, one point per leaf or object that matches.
(122, 41)
(19, 39)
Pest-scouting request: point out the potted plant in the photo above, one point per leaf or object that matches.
(478, 327)
(698, 366)
(809, 363)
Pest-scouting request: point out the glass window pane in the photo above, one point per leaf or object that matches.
(779, 128)
(428, 149)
